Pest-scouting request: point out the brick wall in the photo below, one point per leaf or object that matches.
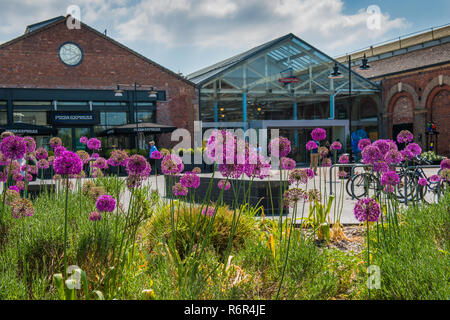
(32, 61)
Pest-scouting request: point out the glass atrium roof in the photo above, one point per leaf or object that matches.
(286, 67)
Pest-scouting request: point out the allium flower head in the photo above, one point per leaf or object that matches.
(363, 143)
(136, 165)
(310, 145)
(68, 163)
(367, 209)
(197, 170)
(292, 196)
(84, 140)
(380, 166)
(371, 154)
(343, 159)
(422, 182)
(156, 155)
(288, 163)
(179, 190)
(407, 155)
(55, 141)
(95, 216)
(319, 134)
(13, 147)
(100, 163)
(280, 147)
(224, 184)
(172, 165)
(58, 150)
(22, 208)
(84, 156)
(190, 180)
(118, 158)
(336, 145)
(326, 162)
(94, 144)
(445, 164)
(444, 175)
(390, 178)
(382, 145)
(414, 148)
(94, 156)
(105, 203)
(41, 153)
(31, 144)
(435, 178)
(405, 136)
(298, 176)
(393, 157)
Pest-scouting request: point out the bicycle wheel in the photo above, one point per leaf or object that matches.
(407, 189)
(362, 183)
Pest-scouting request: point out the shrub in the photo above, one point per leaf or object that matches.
(159, 228)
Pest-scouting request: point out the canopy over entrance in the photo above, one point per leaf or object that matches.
(29, 129)
(131, 129)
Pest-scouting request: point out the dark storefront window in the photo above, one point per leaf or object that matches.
(32, 112)
(111, 119)
(3, 113)
(72, 105)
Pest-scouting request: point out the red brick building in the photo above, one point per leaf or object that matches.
(415, 78)
(52, 68)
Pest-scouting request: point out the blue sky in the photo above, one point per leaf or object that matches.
(186, 35)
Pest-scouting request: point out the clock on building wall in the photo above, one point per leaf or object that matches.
(70, 54)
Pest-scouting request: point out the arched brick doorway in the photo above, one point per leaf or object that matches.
(402, 114)
(438, 105)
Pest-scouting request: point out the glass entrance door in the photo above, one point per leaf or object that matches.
(71, 137)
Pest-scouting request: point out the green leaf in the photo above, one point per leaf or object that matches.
(59, 284)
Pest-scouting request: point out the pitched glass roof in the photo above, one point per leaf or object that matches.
(262, 67)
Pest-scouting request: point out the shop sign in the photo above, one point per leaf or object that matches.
(74, 118)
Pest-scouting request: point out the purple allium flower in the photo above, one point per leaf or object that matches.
(309, 173)
(41, 153)
(319, 134)
(380, 166)
(366, 209)
(310, 145)
(210, 212)
(287, 163)
(17, 176)
(390, 178)
(407, 155)
(20, 185)
(382, 145)
(445, 164)
(118, 158)
(31, 144)
(231, 170)
(68, 163)
(405, 136)
(393, 157)
(342, 174)
(156, 155)
(422, 182)
(388, 188)
(84, 156)
(84, 140)
(51, 160)
(298, 176)
(22, 208)
(15, 188)
(95, 216)
(94, 144)
(224, 184)
(3, 176)
(343, 159)
(190, 180)
(105, 203)
(136, 164)
(100, 163)
(336, 145)
(326, 162)
(13, 147)
(280, 147)
(55, 141)
(179, 190)
(435, 178)
(294, 195)
(363, 143)
(172, 165)
(371, 154)
(260, 169)
(414, 148)
(58, 150)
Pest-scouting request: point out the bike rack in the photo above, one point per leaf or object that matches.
(356, 165)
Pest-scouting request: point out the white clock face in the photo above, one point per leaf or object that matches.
(70, 54)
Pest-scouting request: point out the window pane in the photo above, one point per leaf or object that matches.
(146, 116)
(31, 117)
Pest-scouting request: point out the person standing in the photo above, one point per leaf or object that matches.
(152, 149)
(315, 157)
